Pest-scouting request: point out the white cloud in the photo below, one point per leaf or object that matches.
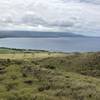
(80, 16)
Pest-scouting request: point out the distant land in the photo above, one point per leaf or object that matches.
(7, 34)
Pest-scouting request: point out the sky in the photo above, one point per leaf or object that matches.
(75, 16)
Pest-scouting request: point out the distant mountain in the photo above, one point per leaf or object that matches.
(6, 34)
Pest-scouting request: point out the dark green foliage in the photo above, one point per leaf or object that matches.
(44, 87)
(28, 82)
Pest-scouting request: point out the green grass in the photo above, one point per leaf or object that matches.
(49, 76)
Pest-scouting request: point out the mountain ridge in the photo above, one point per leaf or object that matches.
(6, 34)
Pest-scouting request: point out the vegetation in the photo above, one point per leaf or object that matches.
(49, 75)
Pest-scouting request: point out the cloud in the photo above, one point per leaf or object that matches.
(79, 16)
(91, 1)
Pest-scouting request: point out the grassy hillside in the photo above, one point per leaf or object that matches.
(49, 76)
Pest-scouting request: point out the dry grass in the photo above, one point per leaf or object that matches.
(49, 76)
(30, 55)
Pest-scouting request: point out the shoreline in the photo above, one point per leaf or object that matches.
(48, 51)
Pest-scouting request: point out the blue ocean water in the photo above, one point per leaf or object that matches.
(67, 44)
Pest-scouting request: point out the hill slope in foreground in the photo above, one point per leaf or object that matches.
(38, 75)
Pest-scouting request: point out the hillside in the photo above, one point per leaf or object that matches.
(5, 34)
(49, 76)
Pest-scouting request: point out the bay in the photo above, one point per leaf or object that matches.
(63, 44)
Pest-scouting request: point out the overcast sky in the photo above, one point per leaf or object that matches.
(77, 16)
